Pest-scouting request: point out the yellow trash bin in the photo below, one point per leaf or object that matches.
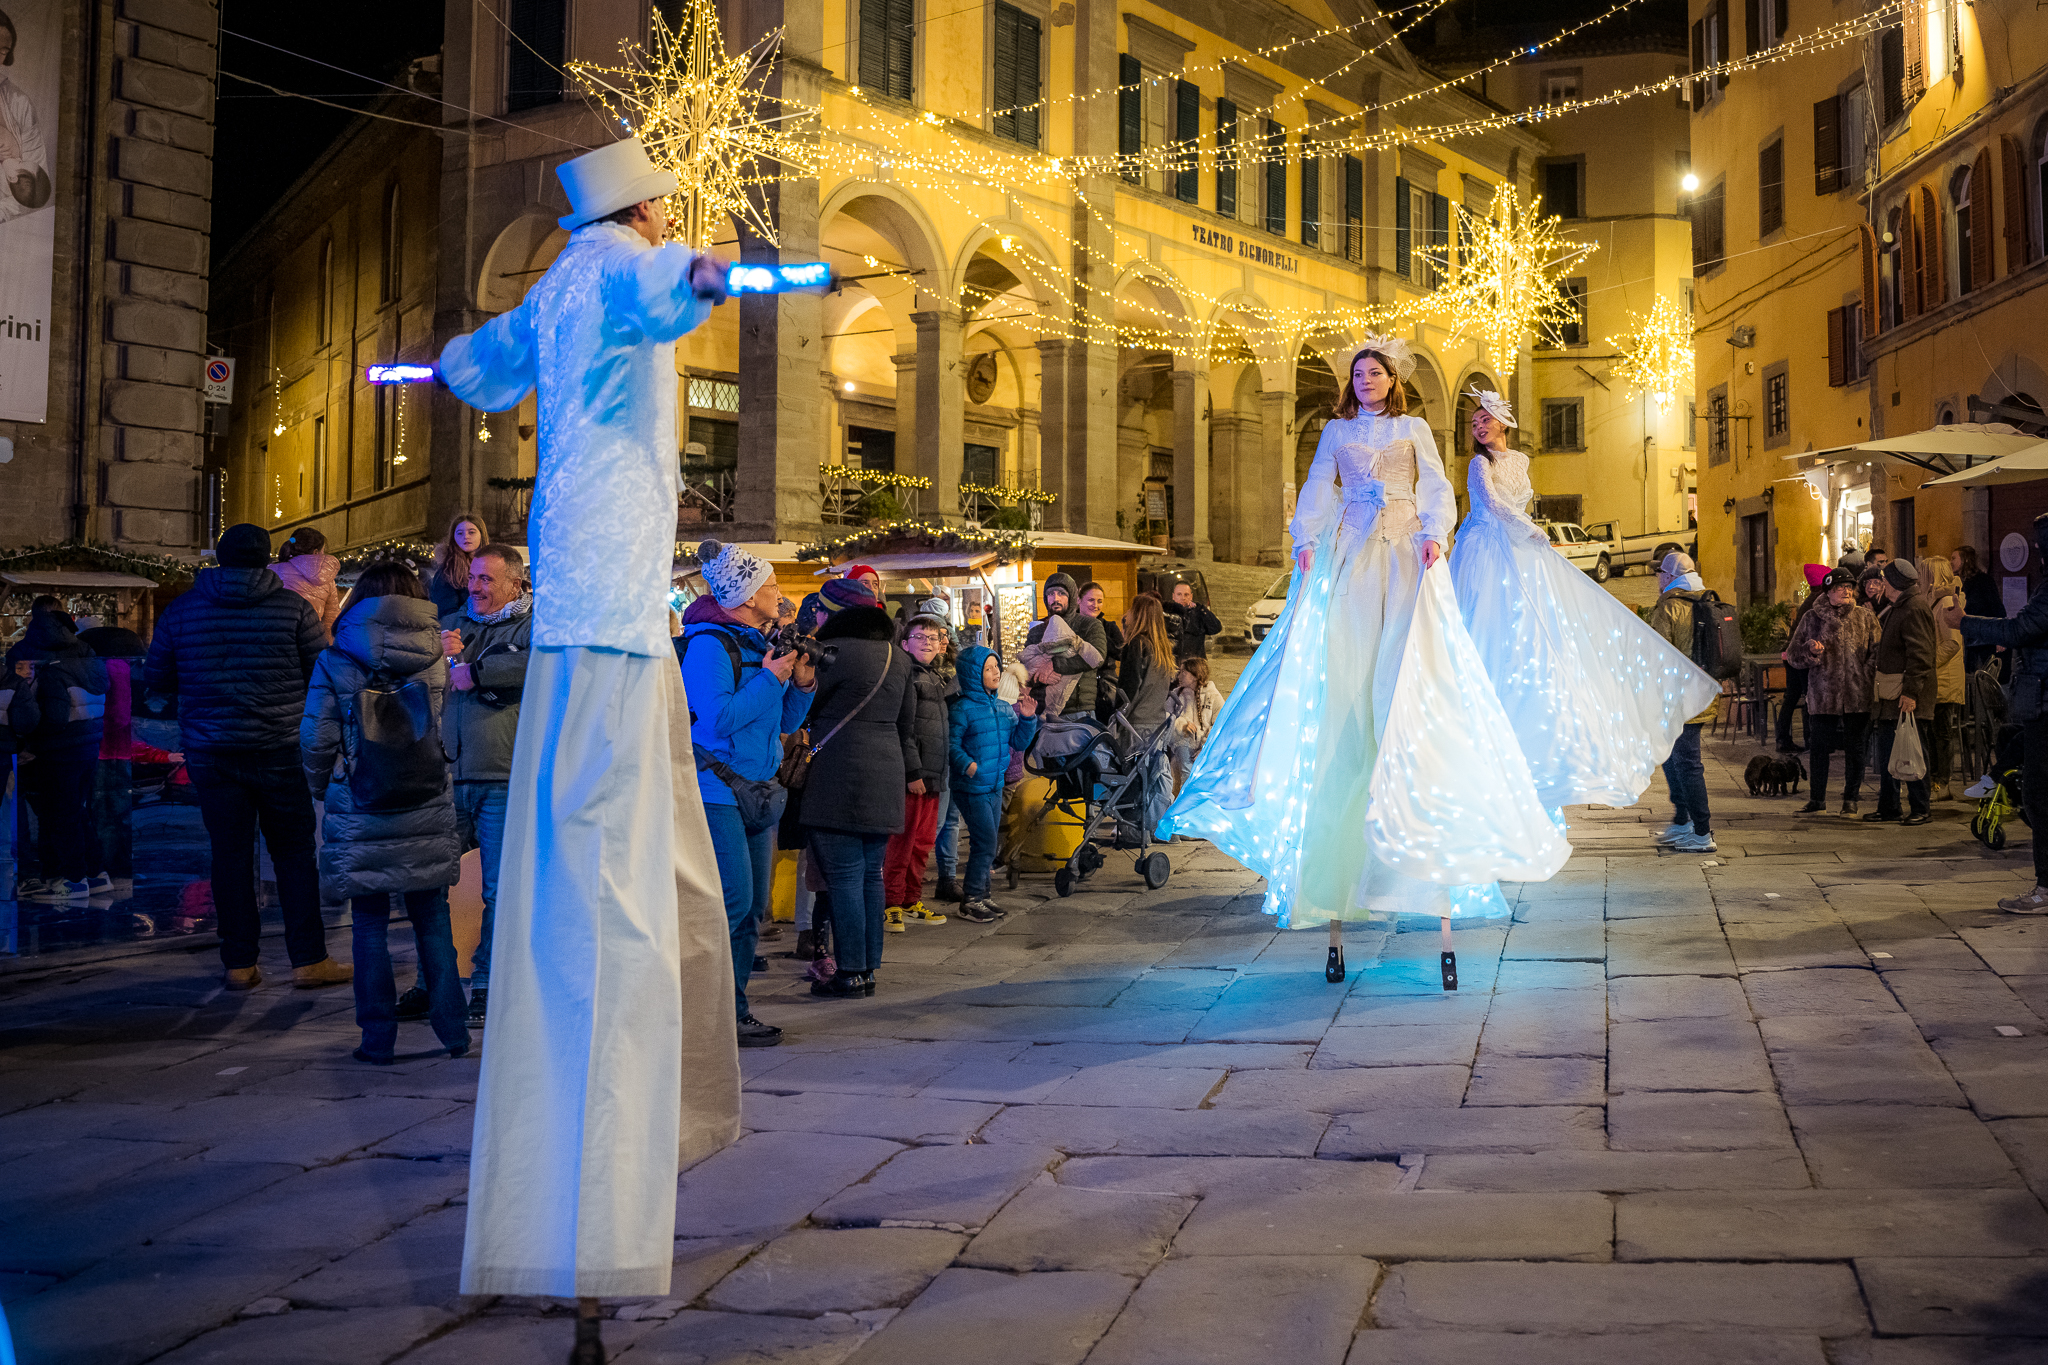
(1040, 843)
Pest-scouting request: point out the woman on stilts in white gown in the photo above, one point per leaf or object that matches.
(1362, 764)
(1595, 696)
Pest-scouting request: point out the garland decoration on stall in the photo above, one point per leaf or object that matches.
(1005, 494)
(95, 554)
(1656, 354)
(873, 478)
(416, 555)
(919, 536)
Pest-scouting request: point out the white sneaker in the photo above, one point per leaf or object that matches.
(2034, 902)
(1981, 788)
(100, 884)
(1693, 843)
(1673, 833)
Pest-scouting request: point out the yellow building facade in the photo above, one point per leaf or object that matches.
(1870, 243)
(1064, 311)
(1614, 173)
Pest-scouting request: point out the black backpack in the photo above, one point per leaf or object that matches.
(391, 746)
(1716, 635)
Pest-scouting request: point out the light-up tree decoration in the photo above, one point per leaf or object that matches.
(1507, 278)
(1656, 356)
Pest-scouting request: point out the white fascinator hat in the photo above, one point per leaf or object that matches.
(1396, 352)
(1495, 406)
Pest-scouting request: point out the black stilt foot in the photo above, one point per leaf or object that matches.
(589, 1348)
(1449, 962)
(1333, 970)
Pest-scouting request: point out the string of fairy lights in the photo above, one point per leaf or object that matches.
(703, 114)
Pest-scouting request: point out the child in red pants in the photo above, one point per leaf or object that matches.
(903, 863)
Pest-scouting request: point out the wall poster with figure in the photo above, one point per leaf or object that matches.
(31, 34)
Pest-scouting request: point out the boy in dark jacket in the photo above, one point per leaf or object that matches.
(924, 638)
(984, 730)
(56, 710)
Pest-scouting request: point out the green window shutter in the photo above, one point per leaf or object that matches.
(1187, 129)
(1311, 201)
(1226, 168)
(1276, 179)
(1439, 235)
(1014, 73)
(1404, 245)
(1354, 208)
(1130, 115)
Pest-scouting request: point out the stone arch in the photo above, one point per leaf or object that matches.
(897, 219)
(516, 258)
(1023, 242)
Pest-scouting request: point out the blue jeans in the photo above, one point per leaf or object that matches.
(852, 867)
(377, 993)
(983, 812)
(480, 824)
(745, 865)
(1686, 775)
(946, 852)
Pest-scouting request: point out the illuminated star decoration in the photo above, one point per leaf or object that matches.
(699, 110)
(1656, 355)
(1508, 278)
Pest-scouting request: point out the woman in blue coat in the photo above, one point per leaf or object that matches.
(984, 731)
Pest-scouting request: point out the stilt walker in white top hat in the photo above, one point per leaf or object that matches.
(610, 1058)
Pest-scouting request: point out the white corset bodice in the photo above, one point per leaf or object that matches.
(1378, 474)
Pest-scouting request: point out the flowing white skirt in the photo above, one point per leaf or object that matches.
(1595, 696)
(1362, 764)
(609, 1059)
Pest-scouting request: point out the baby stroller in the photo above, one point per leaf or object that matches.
(1115, 781)
(1998, 791)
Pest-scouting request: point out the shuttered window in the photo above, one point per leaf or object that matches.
(1933, 270)
(1311, 201)
(1404, 228)
(1226, 165)
(1827, 145)
(1978, 253)
(1187, 131)
(888, 47)
(1130, 113)
(1439, 238)
(1276, 179)
(1354, 208)
(1015, 75)
(534, 52)
(1891, 65)
(1770, 189)
(1707, 223)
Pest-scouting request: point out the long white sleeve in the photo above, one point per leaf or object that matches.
(1501, 490)
(1316, 505)
(494, 367)
(1436, 506)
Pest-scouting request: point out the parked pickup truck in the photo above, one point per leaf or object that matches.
(1603, 552)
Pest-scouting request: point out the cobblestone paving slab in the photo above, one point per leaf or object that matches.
(1781, 1104)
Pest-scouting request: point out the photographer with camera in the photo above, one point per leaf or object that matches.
(744, 696)
(487, 643)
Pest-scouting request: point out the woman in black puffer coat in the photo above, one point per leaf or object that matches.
(388, 630)
(853, 797)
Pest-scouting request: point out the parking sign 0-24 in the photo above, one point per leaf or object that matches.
(220, 380)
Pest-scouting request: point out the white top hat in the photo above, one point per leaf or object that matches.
(609, 179)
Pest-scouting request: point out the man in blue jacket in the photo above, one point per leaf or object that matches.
(743, 700)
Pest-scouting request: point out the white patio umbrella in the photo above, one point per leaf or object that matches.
(1940, 450)
(2022, 466)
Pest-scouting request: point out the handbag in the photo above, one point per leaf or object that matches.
(1889, 685)
(1909, 759)
(755, 800)
(796, 769)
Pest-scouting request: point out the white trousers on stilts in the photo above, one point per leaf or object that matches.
(609, 1058)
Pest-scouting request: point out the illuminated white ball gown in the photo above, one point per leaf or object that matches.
(1596, 697)
(1362, 764)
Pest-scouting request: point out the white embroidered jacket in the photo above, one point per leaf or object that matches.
(597, 337)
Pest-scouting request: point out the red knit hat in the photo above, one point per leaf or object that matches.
(856, 570)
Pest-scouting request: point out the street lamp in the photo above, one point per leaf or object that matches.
(1690, 183)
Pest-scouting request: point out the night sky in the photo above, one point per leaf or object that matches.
(263, 142)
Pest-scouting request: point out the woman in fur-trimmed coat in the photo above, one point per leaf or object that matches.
(1833, 641)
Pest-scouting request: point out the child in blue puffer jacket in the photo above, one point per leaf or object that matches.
(984, 731)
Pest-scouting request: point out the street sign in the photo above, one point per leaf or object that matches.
(220, 380)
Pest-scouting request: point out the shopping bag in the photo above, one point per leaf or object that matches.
(1909, 760)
